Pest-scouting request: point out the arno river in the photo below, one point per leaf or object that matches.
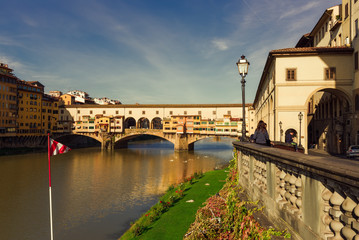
(96, 195)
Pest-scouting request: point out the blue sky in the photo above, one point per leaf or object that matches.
(150, 52)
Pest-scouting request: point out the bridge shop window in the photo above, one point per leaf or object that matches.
(78, 111)
(116, 112)
(171, 112)
(129, 112)
(291, 74)
(329, 73)
(157, 112)
(104, 112)
(143, 112)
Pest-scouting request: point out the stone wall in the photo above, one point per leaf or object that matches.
(313, 197)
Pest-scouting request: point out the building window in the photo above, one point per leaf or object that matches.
(329, 73)
(291, 74)
(157, 112)
(129, 112)
(90, 111)
(199, 112)
(346, 10)
(356, 64)
(116, 112)
(214, 112)
(171, 112)
(356, 28)
(143, 112)
(104, 112)
(229, 112)
(185, 112)
(356, 102)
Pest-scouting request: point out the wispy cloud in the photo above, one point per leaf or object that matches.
(151, 53)
(299, 10)
(220, 44)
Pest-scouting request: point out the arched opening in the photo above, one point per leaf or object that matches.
(130, 123)
(143, 123)
(288, 133)
(328, 118)
(156, 123)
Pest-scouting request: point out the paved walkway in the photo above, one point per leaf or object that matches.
(322, 153)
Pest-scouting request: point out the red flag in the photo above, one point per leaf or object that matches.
(57, 148)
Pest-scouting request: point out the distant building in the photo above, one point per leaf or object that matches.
(55, 93)
(8, 98)
(50, 113)
(105, 101)
(68, 99)
(29, 119)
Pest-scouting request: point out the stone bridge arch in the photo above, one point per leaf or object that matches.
(121, 140)
(71, 140)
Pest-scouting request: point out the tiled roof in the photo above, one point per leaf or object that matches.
(157, 105)
(313, 50)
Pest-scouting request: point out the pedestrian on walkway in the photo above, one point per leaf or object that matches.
(289, 139)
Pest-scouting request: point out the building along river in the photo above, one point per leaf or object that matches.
(96, 195)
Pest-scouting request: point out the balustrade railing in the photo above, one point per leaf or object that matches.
(313, 197)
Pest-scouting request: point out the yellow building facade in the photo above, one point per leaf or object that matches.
(8, 98)
(29, 119)
(49, 114)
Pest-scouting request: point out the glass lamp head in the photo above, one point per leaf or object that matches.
(242, 66)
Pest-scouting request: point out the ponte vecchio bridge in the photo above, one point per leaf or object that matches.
(181, 124)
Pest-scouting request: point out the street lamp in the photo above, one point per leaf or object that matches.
(300, 117)
(281, 131)
(242, 65)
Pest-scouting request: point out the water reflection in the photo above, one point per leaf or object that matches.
(95, 194)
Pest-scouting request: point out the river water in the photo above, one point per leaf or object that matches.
(96, 195)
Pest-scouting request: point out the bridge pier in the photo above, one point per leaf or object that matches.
(181, 143)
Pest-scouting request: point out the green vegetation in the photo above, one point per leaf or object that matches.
(223, 216)
(158, 223)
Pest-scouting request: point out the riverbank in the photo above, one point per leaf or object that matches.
(226, 214)
(174, 223)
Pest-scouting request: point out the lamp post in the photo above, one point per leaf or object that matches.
(242, 65)
(300, 117)
(281, 130)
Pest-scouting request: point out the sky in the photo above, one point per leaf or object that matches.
(151, 52)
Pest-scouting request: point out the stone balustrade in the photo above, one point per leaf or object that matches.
(314, 197)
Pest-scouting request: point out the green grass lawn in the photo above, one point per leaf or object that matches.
(174, 223)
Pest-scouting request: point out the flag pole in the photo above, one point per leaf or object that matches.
(50, 198)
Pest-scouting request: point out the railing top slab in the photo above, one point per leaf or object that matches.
(338, 169)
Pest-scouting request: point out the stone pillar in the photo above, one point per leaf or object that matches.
(181, 142)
